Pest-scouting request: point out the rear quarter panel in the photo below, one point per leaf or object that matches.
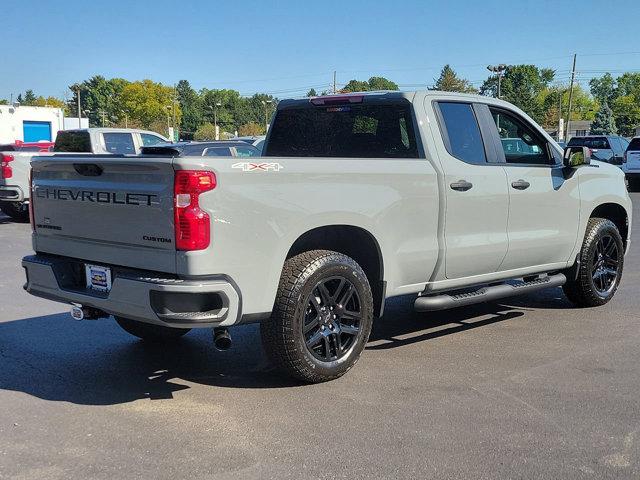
(256, 216)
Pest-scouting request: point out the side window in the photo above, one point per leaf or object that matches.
(520, 143)
(119, 143)
(246, 152)
(597, 143)
(461, 133)
(149, 140)
(218, 152)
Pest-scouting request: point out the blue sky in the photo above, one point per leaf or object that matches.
(287, 47)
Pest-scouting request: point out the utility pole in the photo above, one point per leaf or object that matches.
(79, 111)
(266, 117)
(573, 75)
(560, 124)
(174, 113)
(334, 82)
(498, 70)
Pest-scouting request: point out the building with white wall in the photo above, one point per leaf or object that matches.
(29, 124)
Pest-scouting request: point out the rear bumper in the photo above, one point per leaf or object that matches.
(138, 295)
(11, 193)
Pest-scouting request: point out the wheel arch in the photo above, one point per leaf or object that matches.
(355, 242)
(617, 214)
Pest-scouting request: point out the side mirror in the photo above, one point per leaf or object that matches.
(617, 160)
(576, 156)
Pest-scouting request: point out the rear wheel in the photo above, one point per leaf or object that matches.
(322, 316)
(601, 263)
(150, 332)
(16, 210)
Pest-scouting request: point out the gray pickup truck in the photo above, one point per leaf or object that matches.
(358, 198)
(14, 187)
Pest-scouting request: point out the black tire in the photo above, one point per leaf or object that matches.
(634, 184)
(150, 332)
(595, 284)
(324, 300)
(16, 210)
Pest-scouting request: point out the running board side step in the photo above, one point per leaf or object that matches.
(444, 301)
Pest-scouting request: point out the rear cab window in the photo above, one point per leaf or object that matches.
(73, 141)
(370, 129)
(634, 145)
(119, 143)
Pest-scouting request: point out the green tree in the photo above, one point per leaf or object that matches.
(623, 96)
(29, 98)
(522, 86)
(251, 129)
(191, 106)
(374, 83)
(99, 98)
(448, 81)
(626, 111)
(584, 106)
(603, 123)
(148, 103)
(3, 102)
(312, 93)
(603, 88)
(205, 132)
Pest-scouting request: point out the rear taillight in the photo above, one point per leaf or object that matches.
(5, 169)
(193, 231)
(31, 197)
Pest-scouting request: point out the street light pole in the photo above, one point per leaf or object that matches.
(498, 70)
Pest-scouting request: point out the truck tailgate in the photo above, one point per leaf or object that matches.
(115, 210)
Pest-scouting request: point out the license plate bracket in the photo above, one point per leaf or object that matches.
(98, 277)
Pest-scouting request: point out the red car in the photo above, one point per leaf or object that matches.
(20, 146)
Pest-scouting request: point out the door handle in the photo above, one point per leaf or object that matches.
(461, 186)
(520, 184)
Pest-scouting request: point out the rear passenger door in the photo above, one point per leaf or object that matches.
(544, 203)
(475, 189)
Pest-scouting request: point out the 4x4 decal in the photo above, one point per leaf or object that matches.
(258, 167)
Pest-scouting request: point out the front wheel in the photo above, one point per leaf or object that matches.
(601, 262)
(322, 316)
(18, 212)
(150, 332)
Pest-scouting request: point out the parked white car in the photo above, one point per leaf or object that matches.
(631, 165)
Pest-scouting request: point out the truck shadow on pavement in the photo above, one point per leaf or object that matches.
(96, 363)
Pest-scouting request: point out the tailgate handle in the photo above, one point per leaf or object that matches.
(88, 169)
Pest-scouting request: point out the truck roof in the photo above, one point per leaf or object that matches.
(111, 130)
(382, 95)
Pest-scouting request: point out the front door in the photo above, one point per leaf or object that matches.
(544, 203)
(475, 224)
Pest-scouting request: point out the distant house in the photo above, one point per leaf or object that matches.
(29, 124)
(577, 128)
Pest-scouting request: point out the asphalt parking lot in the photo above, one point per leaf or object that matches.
(529, 388)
